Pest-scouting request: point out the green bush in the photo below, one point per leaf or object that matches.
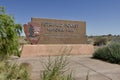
(55, 70)
(9, 34)
(110, 53)
(13, 72)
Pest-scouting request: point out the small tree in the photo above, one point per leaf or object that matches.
(9, 34)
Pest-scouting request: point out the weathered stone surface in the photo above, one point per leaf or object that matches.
(56, 49)
(52, 31)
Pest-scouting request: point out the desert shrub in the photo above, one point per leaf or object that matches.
(98, 41)
(110, 53)
(116, 39)
(56, 70)
(12, 72)
(27, 66)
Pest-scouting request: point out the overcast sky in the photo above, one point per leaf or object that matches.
(102, 16)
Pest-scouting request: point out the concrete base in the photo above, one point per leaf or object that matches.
(56, 49)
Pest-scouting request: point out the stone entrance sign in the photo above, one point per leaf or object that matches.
(52, 31)
(55, 37)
